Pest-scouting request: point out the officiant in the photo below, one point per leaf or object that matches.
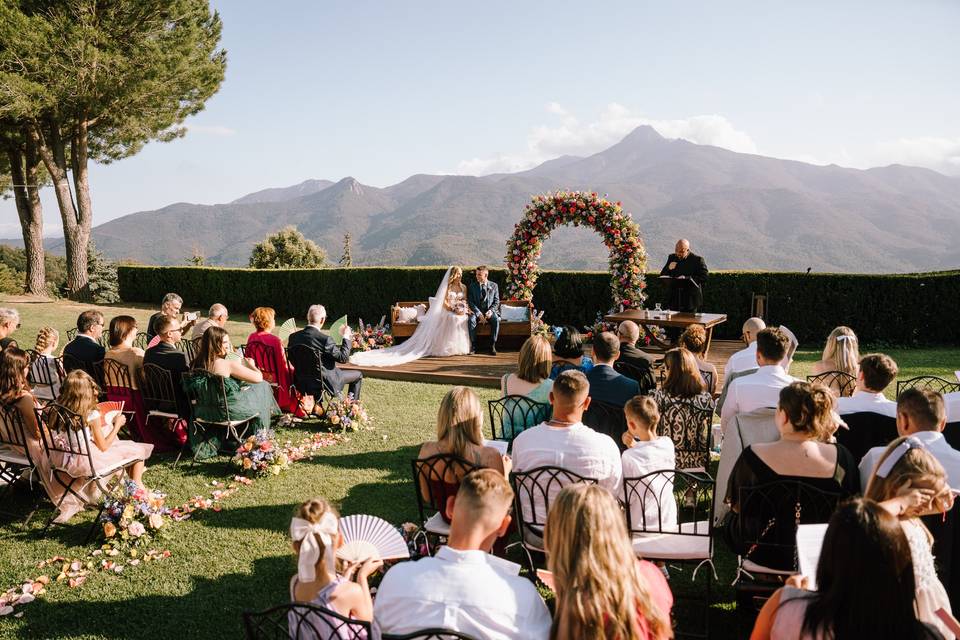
(687, 272)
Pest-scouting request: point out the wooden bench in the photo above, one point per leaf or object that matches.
(513, 331)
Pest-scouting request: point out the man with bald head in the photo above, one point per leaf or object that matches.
(687, 271)
(746, 358)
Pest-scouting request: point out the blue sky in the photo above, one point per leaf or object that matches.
(383, 90)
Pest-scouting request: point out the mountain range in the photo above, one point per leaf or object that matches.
(740, 211)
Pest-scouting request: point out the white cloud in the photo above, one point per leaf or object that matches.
(572, 137)
(211, 130)
(939, 154)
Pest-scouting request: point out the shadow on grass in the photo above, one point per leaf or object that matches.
(209, 610)
(272, 517)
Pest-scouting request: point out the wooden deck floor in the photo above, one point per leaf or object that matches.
(482, 370)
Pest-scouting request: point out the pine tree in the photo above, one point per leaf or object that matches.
(346, 260)
(102, 284)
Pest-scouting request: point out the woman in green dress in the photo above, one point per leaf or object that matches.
(247, 393)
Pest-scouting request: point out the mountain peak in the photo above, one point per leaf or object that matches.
(643, 133)
(350, 184)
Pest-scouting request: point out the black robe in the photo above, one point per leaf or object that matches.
(686, 294)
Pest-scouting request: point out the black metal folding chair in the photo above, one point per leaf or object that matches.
(160, 399)
(308, 366)
(45, 376)
(302, 620)
(840, 381)
(141, 341)
(189, 347)
(689, 427)
(643, 376)
(213, 395)
(933, 383)
(866, 430)
(513, 414)
(118, 387)
(435, 479)
(15, 458)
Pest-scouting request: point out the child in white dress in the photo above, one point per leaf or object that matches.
(653, 506)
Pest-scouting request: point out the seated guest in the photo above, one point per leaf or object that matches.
(9, 322)
(309, 382)
(217, 316)
(746, 358)
(762, 388)
(315, 532)
(79, 395)
(804, 419)
(952, 402)
(568, 353)
(531, 380)
(45, 367)
(462, 587)
(875, 373)
(909, 482)
(694, 340)
(169, 307)
(683, 384)
(85, 349)
(920, 414)
(865, 585)
(654, 508)
(459, 432)
(264, 321)
(606, 385)
(628, 333)
(248, 395)
(564, 441)
(123, 331)
(842, 353)
(602, 589)
(165, 355)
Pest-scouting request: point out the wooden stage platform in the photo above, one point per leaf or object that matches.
(483, 370)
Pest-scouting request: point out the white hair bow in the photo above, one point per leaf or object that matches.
(910, 443)
(844, 338)
(302, 531)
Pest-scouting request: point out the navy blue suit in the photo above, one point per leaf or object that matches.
(330, 355)
(606, 385)
(480, 300)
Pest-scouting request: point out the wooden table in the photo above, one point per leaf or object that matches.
(678, 320)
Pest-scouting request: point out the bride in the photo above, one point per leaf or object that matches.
(442, 331)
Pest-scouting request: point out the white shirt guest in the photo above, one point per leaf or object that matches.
(921, 414)
(952, 402)
(564, 441)
(877, 371)
(761, 388)
(463, 588)
(746, 358)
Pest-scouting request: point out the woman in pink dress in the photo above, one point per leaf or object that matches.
(79, 395)
(272, 360)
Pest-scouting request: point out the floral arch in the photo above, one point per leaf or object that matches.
(628, 259)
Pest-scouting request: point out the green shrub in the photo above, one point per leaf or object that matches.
(895, 309)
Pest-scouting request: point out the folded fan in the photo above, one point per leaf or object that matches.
(366, 536)
(286, 329)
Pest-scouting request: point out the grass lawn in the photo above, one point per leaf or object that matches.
(239, 559)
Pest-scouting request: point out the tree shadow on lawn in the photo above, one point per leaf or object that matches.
(212, 609)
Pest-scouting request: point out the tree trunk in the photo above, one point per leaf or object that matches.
(29, 210)
(52, 150)
(81, 186)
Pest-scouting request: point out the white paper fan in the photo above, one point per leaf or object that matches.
(366, 536)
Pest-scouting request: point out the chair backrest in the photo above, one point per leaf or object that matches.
(71, 334)
(951, 433)
(266, 358)
(65, 433)
(189, 347)
(689, 427)
(643, 376)
(434, 633)
(769, 514)
(933, 383)
(13, 431)
(746, 429)
(207, 390)
(45, 371)
(437, 478)
(607, 419)
(669, 501)
(534, 490)
(141, 341)
(157, 390)
(866, 430)
(306, 362)
(303, 621)
(116, 374)
(512, 414)
(707, 377)
(840, 381)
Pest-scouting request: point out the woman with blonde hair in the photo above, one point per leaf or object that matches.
(45, 371)
(459, 433)
(315, 534)
(909, 482)
(603, 591)
(531, 380)
(841, 353)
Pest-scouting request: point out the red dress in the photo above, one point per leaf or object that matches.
(659, 591)
(273, 364)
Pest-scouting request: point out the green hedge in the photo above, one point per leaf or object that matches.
(897, 309)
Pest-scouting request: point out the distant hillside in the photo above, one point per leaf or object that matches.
(740, 211)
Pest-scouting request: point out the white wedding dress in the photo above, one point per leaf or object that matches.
(439, 333)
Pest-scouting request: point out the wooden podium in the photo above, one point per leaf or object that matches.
(677, 319)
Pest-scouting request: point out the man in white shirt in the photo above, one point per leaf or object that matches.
(463, 588)
(746, 358)
(921, 414)
(877, 371)
(952, 402)
(216, 317)
(564, 441)
(761, 388)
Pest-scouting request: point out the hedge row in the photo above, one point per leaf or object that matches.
(896, 309)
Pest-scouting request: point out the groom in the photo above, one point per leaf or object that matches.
(483, 297)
